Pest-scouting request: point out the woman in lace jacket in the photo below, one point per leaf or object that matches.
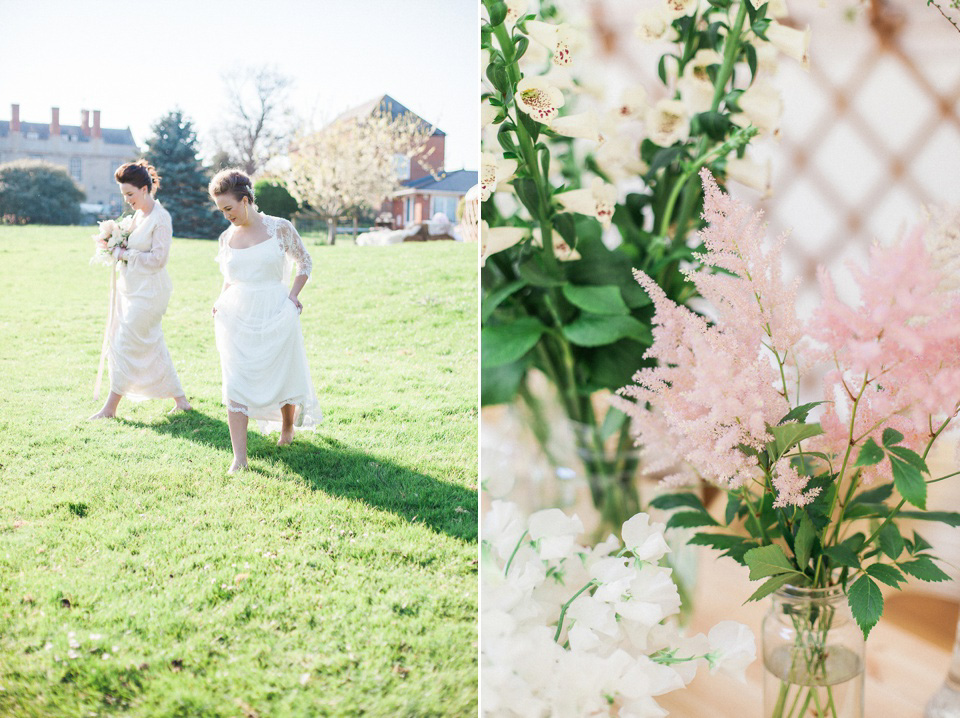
(140, 365)
(257, 319)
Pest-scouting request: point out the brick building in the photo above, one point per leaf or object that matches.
(426, 187)
(90, 153)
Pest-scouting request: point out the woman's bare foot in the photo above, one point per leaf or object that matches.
(286, 437)
(237, 466)
(102, 414)
(181, 405)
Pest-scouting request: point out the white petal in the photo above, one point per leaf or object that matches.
(584, 125)
(792, 43)
(498, 239)
(750, 173)
(644, 539)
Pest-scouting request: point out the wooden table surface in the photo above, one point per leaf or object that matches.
(908, 652)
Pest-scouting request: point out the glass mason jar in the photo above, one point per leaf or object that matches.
(813, 656)
(945, 703)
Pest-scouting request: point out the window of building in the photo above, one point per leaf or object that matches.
(75, 168)
(447, 205)
(32, 136)
(408, 210)
(402, 165)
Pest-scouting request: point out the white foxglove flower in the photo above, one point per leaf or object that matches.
(494, 170)
(750, 174)
(560, 78)
(561, 39)
(561, 250)
(633, 103)
(498, 239)
(768, 59)
(776, 9)
(653, 24)
(792, 43)
(667, 123)
(680, 8)
(516, 9)
(644, 539)
(697, 67)
(696, 95)
(619, 158)
(555, 531)
(538, 99)
(534, 59)
(732, 648)
(762, 105)
(488, 113)
(584, 125)
(597, 201)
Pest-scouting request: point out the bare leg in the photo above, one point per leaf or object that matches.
(287, 411)
(238, 421)
(109, 409)
(182, 404)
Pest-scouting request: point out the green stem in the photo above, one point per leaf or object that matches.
(516, 548)
(563, 611)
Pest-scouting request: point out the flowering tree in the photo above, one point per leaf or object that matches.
(351, 163)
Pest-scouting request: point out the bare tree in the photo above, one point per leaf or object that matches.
(258, 121)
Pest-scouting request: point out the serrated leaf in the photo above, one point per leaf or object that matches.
(690, 519)
(870, 454)
(886, 574)
(841, 555)
(770, 586)
(875, 495)
(909, 482)
(799, 413)
(866, 603)
(604, 299)
(734, 504)
(786, 436)
(685, 499)
(594, 330)
(717, 541)
(506, 343)
(924, 569)
(768, 561)
(890, 540)
(919, 543)
(803, 544)
(911, 457)
(891, 437)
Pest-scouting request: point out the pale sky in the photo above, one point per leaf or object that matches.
(135, 61)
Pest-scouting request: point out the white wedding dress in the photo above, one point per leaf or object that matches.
(262, 357)
(140, 365)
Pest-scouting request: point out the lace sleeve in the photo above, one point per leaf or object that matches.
(293, 247)
(155, 258)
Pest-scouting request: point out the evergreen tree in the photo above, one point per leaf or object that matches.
(183, 179)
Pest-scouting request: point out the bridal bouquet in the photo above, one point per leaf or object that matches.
(115, 232)
(810, 504)
(568, 630)
(558, 236)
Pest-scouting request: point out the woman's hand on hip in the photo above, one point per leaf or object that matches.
(296, 303)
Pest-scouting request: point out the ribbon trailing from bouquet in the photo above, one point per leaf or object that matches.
(111, 313)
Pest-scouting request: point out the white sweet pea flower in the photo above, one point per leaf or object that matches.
(494, 170)
(538, 99)
(561, 250)
(561, 39)
(653, 24)
(614, 575)
(498, 239)
(584, 125)
(680, 8)
(749, 173)
(667, 122)
(792, 43)
(555, 531)
(597, 201)
(644, 539)
(647, 678)
(503, 525)
(732, 648)
(653, 596)
(762, 107)
(595, 614)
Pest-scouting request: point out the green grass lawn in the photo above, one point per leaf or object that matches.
(337, 577)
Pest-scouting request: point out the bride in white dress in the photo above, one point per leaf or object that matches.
(257, 319)
(140, 365)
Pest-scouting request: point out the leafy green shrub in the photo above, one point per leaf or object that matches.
(38, 192)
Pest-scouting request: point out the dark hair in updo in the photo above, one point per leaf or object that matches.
(231, 181)
(139, 174)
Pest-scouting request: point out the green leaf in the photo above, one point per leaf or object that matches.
(690, 519)
(870, 454)
(717, 541)
(594, 330)
(714, 124)
(924, 569)
(866, 603)
(611, 366)
(612, 423)
(768, 561)
(799, 413)
(522, 42)
(500, 384)
(770, 586)
(526, 190)
(665, 157)
(734, 504)
(803, 544)
(891, 437)
(910, 457)
(531, 270)
(564, 224)
(890, 540)
(505, 136)
(497, 11)
(842, 555)
(919, 544)
(529, 124)
(866, 511)
(505, 343)
(545, 162)
(497, 74)
(605, 299)
(909, 482)
(886, 574)
(786, 436)
(685, 499)
(493, 300)
(876, 495)
(951, 518)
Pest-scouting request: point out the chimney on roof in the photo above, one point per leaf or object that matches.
(85, 123)
(55, 121)
(14, 118)
(96, 124)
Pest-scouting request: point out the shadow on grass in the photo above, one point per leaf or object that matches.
(334, 468)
